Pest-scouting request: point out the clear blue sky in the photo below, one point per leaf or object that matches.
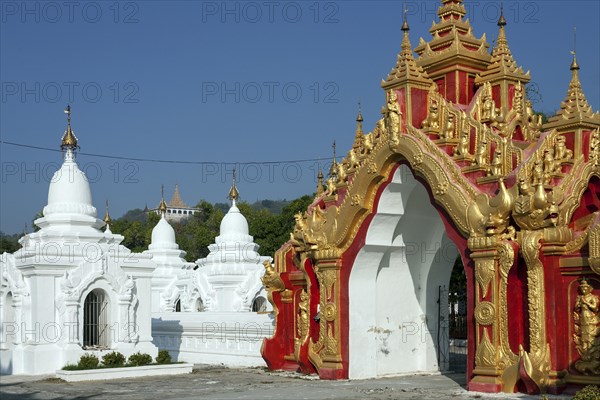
(225, 82)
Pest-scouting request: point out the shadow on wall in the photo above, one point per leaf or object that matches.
(6, 363)
(172, 342)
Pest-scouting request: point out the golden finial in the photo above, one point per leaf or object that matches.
(405, 27)
(69, 140)
(574, 65)
(359, 121)
(334, 166)
(162, 207)
(502, 20)
(233, 192)
(107, 218)
(320, 189)
(334, 150)
(359, 118)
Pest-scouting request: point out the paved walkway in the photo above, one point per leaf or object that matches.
(214, 382)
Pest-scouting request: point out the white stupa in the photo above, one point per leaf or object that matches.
(175, 285)
(72, 288)
(233, 267)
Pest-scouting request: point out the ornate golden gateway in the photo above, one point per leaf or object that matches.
(520, 198)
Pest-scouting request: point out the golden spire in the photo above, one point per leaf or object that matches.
(406, 68)
(502, 65)
(502, 20)
(176, 201)
(107, 219)
(405, 27)
(452, 39)
(359, 121)
(320, 189)
(69, 140)
(574, 65)
(575, 107)
(233, 192)
(162, 207)
(333, 169)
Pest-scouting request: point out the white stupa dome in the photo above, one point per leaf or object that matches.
(69, 191)
(234, 223)
(163, 236)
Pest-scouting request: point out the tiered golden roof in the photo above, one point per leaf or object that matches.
(406, 69)
(176, 201)
(575, 109)
(503, 65)
(453, 41)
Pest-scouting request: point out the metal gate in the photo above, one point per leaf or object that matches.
(95, 320)
(451, 336)
(442, 331)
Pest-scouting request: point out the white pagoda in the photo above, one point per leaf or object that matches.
(233, 267)
(72, 288)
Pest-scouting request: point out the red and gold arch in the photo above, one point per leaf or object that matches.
(518, 198)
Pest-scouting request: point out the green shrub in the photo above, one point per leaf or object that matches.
(140, 359)
(591, 392)
(113, 359)
(163, 357)
(71, 367)
(88, 361)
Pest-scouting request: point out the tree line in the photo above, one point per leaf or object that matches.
(269, 221)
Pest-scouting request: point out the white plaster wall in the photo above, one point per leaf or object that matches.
(393, 288)
(230, 338)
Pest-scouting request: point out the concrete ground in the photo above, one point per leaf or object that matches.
(216, 382)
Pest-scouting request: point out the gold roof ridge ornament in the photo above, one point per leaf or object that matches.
(234, 194)
(69, 140)
(162, 206)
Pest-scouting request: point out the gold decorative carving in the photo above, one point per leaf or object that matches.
(329, 312)
(392, 117)
(356, 200)
(539, 354)
(331, 344)
(485, 356)
(485, 313)
(303, 315)
(506, 255)
(272, 281)
(463, 146)
(587, 330)
(484, 272)
(442, 189)
(371, 167)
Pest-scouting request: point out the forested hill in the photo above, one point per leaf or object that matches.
(269, 221)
